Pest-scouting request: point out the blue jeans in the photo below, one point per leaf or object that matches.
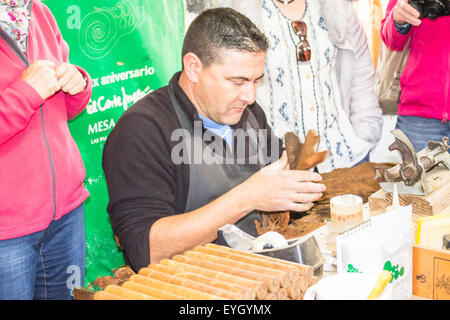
(420, 131)
(47, 264)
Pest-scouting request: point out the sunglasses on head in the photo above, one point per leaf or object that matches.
(303, 50)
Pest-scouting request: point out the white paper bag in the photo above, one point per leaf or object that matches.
(382, 243)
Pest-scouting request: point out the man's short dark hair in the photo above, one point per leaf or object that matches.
(222, 28)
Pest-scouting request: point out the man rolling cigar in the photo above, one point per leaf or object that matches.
(198, 154)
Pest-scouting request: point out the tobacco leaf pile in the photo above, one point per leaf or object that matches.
(120, 275)
(359, 180)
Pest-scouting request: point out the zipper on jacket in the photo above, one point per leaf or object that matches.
(24, 59)
(447, 88)
(51, 162)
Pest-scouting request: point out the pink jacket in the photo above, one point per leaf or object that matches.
(425, 80)
(41, 170)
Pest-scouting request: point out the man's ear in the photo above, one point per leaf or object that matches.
(192, 66)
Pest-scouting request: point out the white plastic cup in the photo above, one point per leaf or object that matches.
(346, 211)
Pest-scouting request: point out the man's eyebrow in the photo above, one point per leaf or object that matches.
(244, 78)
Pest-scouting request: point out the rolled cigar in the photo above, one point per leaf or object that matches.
(127, 293)
(170, 278)
(246, 293)
(272, 283)
(314, 280)
(292, 271)
(282, 294)
(151, 291)
(103, 295)
(294, 290)
(258, 286)
(178, 290)
(302, 294)
(304, 270)
(303, 283)
(282, 276)
(270, 296)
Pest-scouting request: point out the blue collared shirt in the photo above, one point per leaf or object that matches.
(222, 130)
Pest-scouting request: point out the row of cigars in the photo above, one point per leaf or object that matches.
(213, 272)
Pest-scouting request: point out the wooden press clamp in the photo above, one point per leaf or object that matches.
(410, 175)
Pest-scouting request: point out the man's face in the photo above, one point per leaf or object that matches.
(227, 87)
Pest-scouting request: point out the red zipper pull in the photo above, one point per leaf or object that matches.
(444, 117)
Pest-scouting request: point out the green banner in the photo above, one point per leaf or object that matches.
(129, 48)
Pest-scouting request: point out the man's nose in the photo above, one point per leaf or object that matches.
(248, 93)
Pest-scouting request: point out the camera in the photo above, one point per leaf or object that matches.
(432, 9)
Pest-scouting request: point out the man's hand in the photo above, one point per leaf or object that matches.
(274, 188)
(405, 13)
(41, 76)
(70, 79)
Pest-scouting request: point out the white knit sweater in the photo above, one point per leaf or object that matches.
(358, 113)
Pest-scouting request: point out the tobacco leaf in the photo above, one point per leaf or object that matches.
(301, 156)
(359, 180)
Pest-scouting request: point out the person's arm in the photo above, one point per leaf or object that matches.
(141, 179)
(18, 103)
(77, 85)
(397, 25)
(178, 233)
(365, 113)
(271, 189)
(202, 224)
(74, 80)
(23, 97)
(143, 188)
